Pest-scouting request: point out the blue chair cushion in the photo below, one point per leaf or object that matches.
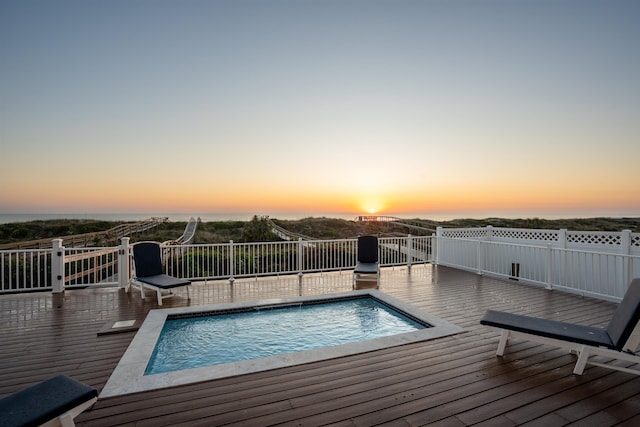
(580, 334)
(45, 401)
(368, 249)
(164, 281)
(146, 256)
(366, 268)
(626, 317)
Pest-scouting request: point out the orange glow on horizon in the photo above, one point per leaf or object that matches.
(177, 195)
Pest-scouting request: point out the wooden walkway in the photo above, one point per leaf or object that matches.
(451, 381)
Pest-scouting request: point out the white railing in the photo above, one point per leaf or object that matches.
(231, 260)
(59, 267)
(25, 269)
(90, 267)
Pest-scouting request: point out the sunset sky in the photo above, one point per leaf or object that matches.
(464, 108)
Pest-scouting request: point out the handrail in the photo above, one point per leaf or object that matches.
(412, 224)
(188, 235)
(285, 234)
(87, 239)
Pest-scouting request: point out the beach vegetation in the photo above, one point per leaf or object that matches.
(258, 228)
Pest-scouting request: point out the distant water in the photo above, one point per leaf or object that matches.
(244, 216)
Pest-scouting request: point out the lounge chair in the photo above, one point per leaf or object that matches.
(148, 272)
(367, 260)
(619, 340)
(54, 402)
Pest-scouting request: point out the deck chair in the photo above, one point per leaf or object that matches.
(619, 340)
(54, 402)
(148, 272)
(367, 260)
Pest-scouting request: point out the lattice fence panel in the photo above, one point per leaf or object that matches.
(526, 234)
(594, 238)
(465, 233)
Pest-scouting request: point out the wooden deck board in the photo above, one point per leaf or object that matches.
(451, 381)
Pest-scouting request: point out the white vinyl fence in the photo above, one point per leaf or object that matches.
(596, 264)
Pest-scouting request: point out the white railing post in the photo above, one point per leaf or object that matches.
(480, 256)
(481, 247)
(57, 266)
(625, 248)
(123, 263)
(232, 262)
(409, 251)
(436, 246)
(549, 266)
(300, 257)
(562, 267)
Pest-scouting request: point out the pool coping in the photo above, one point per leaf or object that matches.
(128, 376)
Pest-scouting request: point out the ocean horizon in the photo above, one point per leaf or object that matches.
(6, 218)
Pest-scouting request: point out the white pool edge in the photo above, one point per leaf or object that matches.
(128, 376)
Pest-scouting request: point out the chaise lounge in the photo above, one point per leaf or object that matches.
(149, 274)
(619, 340)
(367, 260)
(54, 402)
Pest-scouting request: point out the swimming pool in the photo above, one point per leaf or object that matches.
(213, 339)
(129, 375)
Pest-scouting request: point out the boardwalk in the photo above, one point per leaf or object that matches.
(451, 381)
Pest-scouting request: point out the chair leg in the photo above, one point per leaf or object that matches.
(159, 294)
(504, 337)
(582, 361)
(188, 295)
(66, 420)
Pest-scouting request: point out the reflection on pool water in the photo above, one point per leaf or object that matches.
(204, 340)
(129, 375)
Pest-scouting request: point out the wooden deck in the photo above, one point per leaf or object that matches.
(451, 381)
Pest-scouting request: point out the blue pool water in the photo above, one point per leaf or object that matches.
(222, 338)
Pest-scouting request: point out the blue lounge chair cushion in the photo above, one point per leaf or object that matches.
(163, 281)
(366, 268)
(626, 317)
(45, 401)
(580, 334)
(368, 249)
(147, 259)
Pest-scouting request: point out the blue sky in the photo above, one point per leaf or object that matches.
(514, 107)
